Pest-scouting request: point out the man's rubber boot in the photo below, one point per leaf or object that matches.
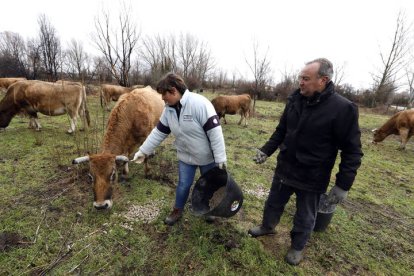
(260, 231)
(293, 257)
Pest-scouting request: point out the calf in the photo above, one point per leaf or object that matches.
(233, 105)
(401, 123)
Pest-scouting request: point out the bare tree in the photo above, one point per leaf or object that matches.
(50, 48)
(339, 72)
(288, 83)
(33, 58)
(159, 55)
(117, 44)
(410, 82)
(260, 68)
(203, 63)
(77, 59)
(12, 55)
(101, 70)
(187, 50)
(385, 80)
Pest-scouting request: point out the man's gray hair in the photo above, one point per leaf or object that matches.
(326, 67)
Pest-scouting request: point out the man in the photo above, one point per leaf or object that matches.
(316, 123)
(199, 139)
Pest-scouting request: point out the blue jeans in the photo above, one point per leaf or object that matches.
(186, 174)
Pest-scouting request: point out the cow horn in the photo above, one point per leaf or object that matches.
(80, 160)
(374, 130)
(122, 158)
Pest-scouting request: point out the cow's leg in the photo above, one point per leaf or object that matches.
(404, 137)
(241, 118)
(73, 122)
(243, 115)
(34, 122)
(82, 115)
(224, 118)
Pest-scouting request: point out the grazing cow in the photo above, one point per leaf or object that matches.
(232, 105)
(111, 92)
(6, 82)
(130, 122)
(48, 98)
(401, 123)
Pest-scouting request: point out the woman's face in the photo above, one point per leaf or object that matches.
(171, 97)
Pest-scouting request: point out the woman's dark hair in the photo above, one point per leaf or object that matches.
(169, 81)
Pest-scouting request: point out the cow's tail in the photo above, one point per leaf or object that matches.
(85, 107)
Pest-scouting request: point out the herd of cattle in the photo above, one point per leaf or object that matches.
(135, 114)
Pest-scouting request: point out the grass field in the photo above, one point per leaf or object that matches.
(48, 223)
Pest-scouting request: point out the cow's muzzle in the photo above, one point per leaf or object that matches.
(107, 204)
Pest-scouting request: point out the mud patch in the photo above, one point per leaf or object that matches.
(165, 174)
(9, 240)
(230, 240)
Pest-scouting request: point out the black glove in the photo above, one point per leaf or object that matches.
(336, 195)
(260, 157)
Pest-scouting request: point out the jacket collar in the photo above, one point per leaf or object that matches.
(185, 97)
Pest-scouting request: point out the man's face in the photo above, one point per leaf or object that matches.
(171, 97)
(310, 81)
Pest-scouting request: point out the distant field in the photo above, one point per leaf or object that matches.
(48, 224)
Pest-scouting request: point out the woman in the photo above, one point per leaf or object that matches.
(198, 136)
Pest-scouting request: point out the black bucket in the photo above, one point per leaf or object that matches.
(324, 215)
(216, 194)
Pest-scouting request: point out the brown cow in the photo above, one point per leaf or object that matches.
(233, 105)
(51, 99)
(401, 123)
(130, 122)
(6, 82)
(110, 92)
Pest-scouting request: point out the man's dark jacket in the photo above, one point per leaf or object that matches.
(309, 135)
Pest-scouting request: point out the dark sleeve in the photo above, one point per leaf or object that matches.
(348, 135)
(278, 135)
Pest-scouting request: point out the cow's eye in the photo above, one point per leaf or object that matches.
(90, 177)
(113, 176)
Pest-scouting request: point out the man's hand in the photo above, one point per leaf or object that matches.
(336, 195)
(139, 157)
(260, 157)
(222, 166)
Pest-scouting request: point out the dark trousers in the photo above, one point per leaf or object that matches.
(306, 209)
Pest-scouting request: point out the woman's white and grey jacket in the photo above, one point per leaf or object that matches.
(199, 137)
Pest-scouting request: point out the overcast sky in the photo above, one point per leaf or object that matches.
(348, 32)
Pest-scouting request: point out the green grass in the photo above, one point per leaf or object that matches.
(47, 209)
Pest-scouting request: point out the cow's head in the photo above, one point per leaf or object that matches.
(103, 174)
(5, 117)
(378, 136)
